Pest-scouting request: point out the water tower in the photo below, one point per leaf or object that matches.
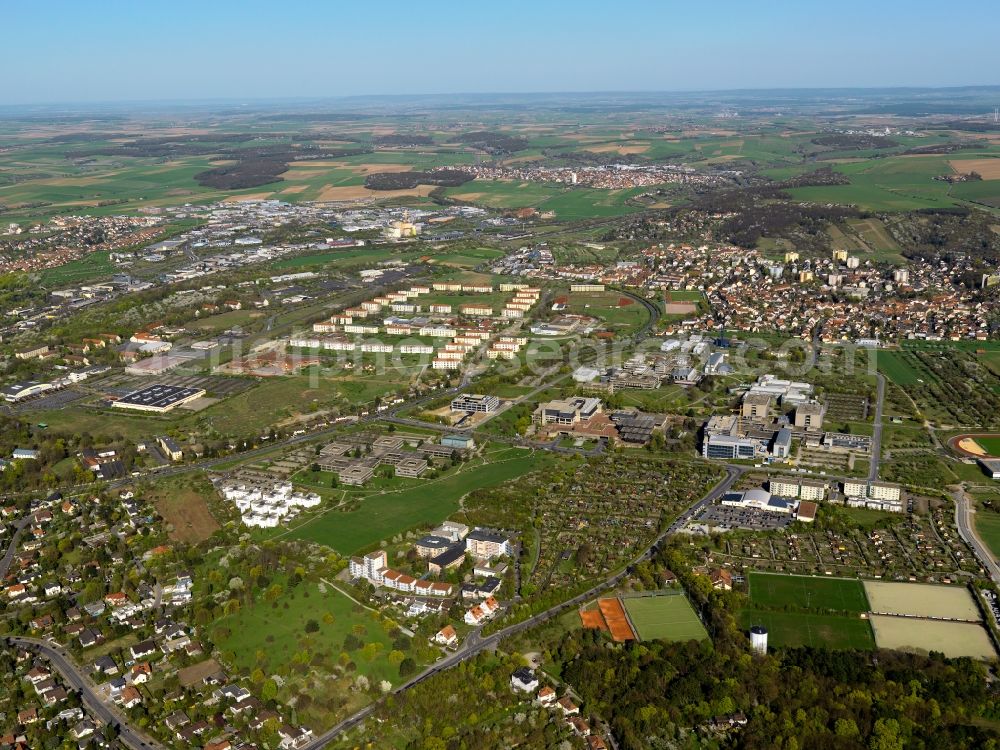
(758, 639)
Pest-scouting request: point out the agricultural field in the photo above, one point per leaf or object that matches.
(953, 639)
(837, 594)
(922, 600)
(798, 629)
(667, 617)
(903, 184)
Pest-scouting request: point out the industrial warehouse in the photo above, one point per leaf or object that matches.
(158, 398)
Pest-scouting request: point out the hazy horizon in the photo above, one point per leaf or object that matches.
(68, 53)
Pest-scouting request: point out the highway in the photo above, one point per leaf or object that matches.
(476, 644)
(75, 678)
(967, 530)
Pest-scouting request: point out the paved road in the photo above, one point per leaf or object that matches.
(476, 644)
(19, 526)
(877, 429)
(74, 677)
(967, 530)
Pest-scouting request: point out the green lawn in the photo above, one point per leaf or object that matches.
(837, 594)
(896, 367)
(383, 515)
(988, 528)
(670, 618)
(796, 629)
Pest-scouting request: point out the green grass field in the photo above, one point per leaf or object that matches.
(837, 594)
(797, 629)
(887, 185)
(605, 307)
(897, 368)
(384, 515)
(278, 631)
(670, 618)
(990, 444)
(988, 528)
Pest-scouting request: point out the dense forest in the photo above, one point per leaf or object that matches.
(403, 139)
(854, 141)
(496, 143)
(409, 180)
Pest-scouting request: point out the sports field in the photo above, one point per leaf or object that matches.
(953, 639)
(837, 594)
(670, 618)
(990, 444)
(797, 629)
(922, 600)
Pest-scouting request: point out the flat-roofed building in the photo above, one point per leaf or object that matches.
(809, 416)
(811, 489)
(782, 445)
(452, 557)
(158, 398)
(855, 488)
(487, 544)
(784, 486)
(756, 406)
(475, 402)
(355, 474)
(885, 491)
(432, 545)
(729, 447)
(567, 411)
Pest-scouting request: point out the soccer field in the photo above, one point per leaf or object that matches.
(836, 594)
(670, 618)
(796, 629)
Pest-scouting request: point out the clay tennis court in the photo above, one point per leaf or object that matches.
(617, 620)
(592, 619)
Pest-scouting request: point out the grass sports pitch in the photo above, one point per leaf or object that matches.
(670, 618)
(796, 629)
(835, 594)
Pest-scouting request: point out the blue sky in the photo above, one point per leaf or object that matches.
(111, 50)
